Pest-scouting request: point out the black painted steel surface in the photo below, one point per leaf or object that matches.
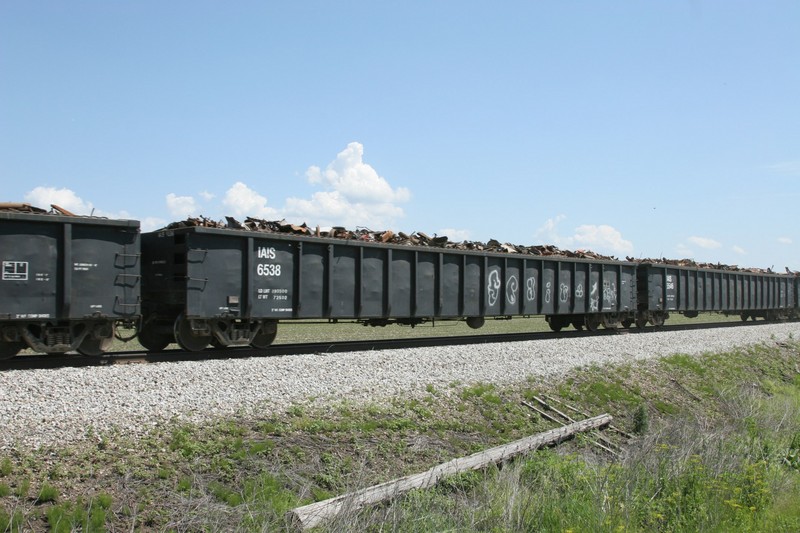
(59, 271)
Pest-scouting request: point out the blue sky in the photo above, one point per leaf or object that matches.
(640, 129)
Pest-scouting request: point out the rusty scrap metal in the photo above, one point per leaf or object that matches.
(439, 241)
(16, 207)
(418, 238)
(61, 211)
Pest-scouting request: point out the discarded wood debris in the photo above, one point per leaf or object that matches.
(606, 445)
(311, 515)
(612, 427)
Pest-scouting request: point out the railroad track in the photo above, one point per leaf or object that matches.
(33, 362)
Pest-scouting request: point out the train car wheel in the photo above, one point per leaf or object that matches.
(609, 320)
(186, 337)
(263, 339)
(152, 340)
(577, 324)
(95, 347)
(592, 322)
(627, 322)
(558, 322)
(657, 320)
(10, 349)
(475, 322)
(641, 322)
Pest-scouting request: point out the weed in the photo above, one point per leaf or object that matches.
(295, 411)
(641, 419)
(184, 484)
(477, 390)
(23, 488)
(12, 523)
(261, 447)
(6, 467)
(604, 392)
(183, 441)
(68, 517)
(664, 407)
(104, 500)
(47, 493)
(225, 494)
(686, 362)
(270, 427)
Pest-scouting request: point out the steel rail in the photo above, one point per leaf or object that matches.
(33, 362)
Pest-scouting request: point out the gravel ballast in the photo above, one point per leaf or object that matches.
(63, 406)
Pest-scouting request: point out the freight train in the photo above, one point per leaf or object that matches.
(69, 282)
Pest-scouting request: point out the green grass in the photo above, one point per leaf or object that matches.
(300, 331)
(718, 448)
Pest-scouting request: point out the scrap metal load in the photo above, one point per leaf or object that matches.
(422, 239)
(16, 207)
(387, 237)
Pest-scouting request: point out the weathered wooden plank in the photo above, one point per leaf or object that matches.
(311, 515)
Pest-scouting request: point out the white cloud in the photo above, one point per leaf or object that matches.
(355, 195)
(704, 242)
(598, 238)
(181, 206)
(244, 201)
(333, 209)
(455, 235)
(602, 237)
(548, 233)
(152, 223)
(784, 240)
(739, 250)
(45, 196)
(355, 180)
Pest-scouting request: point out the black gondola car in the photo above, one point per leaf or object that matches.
(688, 290)
(67, 281)
(230, 287)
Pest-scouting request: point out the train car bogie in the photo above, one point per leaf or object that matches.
(98, 339)
(190, 334)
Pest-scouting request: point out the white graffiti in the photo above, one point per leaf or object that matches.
(511, 289)
(493, 288)
(563, 294)
(547, 293)
(610, 293)
(594, 298)
(531, 286)
(579, 291)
